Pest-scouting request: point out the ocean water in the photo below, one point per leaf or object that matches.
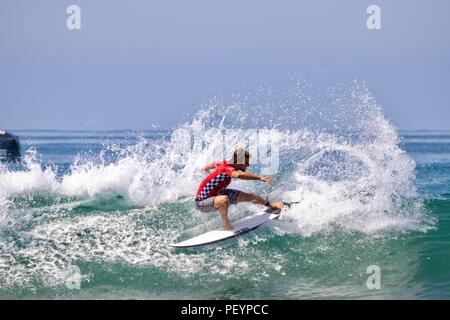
(91, 214)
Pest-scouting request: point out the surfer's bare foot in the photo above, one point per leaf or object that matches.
(228, 226)
(277, 205)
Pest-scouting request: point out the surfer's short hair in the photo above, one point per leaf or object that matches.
(240, 156)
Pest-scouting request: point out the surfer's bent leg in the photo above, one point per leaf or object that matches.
(206, 205)
(222, 202)
(249, 197)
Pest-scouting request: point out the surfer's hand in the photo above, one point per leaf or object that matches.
(267, 179)
(208, 167)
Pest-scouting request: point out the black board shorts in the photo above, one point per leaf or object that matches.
(207, 205)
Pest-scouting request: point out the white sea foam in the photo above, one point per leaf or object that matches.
(356, 170)
(342, 161)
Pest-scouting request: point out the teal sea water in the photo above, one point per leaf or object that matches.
(91, 214)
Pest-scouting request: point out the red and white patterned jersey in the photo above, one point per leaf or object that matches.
(217, 180)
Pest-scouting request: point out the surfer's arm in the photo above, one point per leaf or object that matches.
(250, 176)
(209, 166)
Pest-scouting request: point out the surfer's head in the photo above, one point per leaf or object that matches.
(240, 159)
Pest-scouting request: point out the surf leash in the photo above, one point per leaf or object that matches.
(288, 204)
(283, 187)
(276, 188)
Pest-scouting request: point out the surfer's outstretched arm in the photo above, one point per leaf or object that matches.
(250, 176)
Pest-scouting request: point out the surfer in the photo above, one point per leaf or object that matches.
(213, 194)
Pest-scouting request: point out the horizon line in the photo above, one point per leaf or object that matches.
(167, 129)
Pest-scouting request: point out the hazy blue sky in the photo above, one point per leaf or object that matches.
(136, 63)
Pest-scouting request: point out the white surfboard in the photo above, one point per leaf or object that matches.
(239, 227)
